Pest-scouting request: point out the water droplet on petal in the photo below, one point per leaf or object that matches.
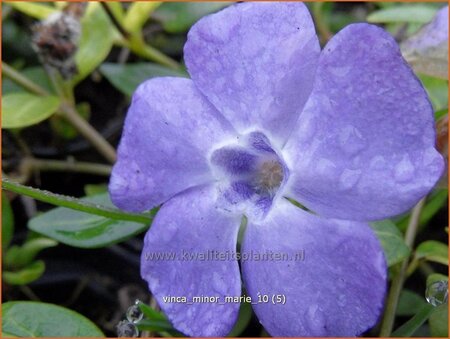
(315, 320)
(404, 170)
(342, 300)
(134, 314)
(349, 178)
(125, 329)
(306, 130)
(437, 293)
(351, 140)
(325, 167)
(339, 71)
(219, 283)
(378, 163)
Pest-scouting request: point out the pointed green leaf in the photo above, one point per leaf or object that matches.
(117, 10)
(35, 74)
(138, 13)
(391, 239)
(24, 109)
(20, 256)
(25, 275)
(35, 10)
(85, 230)
(404, 13)
(95, 42)
(433, 251)
(151, 313)
(36, 319)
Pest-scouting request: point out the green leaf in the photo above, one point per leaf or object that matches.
(440, 114)
(155, 321)
(439, 322)
(126, 78)
(413, 324)
(156, 325)
(36, 319)
(409, 303)
(20, 256)
(26, 275)
(436, 277)
(177, 17)
(35, 74)
(433, 251)
(404, 13)
(244, 317)
(437, 90)
(151, 313)
(117, 10)
(35, 10)
(85, 230)
(391, 240)
(95, 42)
(7, 222)
(23, 109)
(138, 13)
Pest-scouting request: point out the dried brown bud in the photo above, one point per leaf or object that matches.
(56, 39)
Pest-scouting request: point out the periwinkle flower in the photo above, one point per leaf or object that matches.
(427, 50)
(347, 132)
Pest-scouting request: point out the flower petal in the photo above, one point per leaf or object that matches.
(169, 129)
(427, 50)
(364, 145)
(333, 279)
(191, 228)
(255, 62)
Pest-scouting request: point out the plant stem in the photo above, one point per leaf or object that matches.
(73, 203)
(135, 42)
(68, 112)
(22, 80)
(30, 164)
(399, 278)
(138, 46)
(90, 133)
(114, 20)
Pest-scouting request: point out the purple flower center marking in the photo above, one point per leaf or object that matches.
(269, 177)
(249, 174)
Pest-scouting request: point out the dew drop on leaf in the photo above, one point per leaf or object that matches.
(437, 293)
(126, 329)
(134, 314)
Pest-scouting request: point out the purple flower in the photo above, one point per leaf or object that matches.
(427, 50)
(347, 132)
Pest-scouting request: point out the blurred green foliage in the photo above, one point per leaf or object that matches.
(125, 44)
